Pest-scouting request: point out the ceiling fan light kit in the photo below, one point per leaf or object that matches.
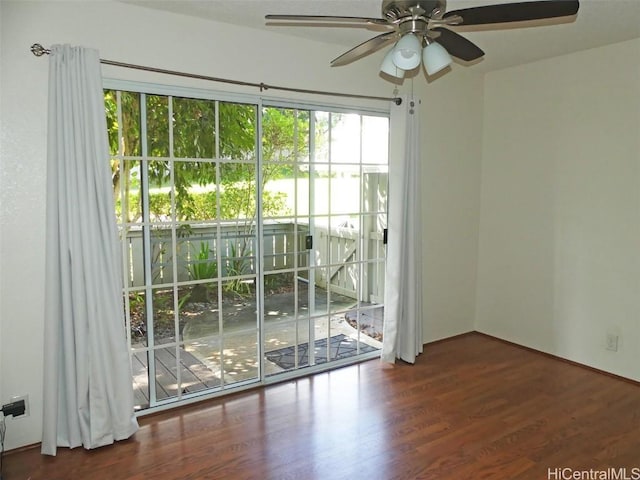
(406, 53)
(391, 68)
(435, 58)
(414, 24)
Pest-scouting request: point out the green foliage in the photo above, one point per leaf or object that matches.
(238, 264)
(285, 134)
(285, 141)
(160, 205)
(157, 107)
(124, 141)
(185, 152)
(234, 204)
(137, 316)
(205, 265)
(111, 111)
(194, 120)
(237, 131)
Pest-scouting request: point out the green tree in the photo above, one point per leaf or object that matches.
(192, 132)
(285, 139)
(124, 172)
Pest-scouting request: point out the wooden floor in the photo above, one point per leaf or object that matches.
(471, 408)
(195, 376)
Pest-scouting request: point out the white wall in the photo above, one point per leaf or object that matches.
(560, 213)
(451, 121)
(451, 116)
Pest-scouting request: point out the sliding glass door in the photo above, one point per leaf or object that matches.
(252, 238)
(324, 258)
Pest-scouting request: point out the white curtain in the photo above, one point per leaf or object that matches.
(88, 394)
(403, 281)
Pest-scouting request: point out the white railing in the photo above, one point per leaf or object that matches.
(340, 248)
(349, 258)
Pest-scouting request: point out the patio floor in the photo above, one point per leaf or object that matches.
(195, 376)
(208, 360)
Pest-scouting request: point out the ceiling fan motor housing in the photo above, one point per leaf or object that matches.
(394, 10)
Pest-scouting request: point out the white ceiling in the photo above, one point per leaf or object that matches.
(599, 22)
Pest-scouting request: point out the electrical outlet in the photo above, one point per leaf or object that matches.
(612, 342)
(26, 404)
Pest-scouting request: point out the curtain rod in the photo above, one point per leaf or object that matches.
(38, 50)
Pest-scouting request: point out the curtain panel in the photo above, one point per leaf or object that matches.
(88, 393)
(403, 279)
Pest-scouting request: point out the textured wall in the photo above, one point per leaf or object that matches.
(451, 121)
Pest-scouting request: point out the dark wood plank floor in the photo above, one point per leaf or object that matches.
(472, 407)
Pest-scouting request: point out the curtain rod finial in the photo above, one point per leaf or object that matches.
(38, 50)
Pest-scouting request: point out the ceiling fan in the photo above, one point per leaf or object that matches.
(421, 30)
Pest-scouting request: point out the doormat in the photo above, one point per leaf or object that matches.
(341, 346)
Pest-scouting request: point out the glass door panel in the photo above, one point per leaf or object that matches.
(318, 242)
(285, 237)
(237, 259)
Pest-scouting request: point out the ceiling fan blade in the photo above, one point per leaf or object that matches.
(327, 18)
(364, 48)
(457, 45)
(516, 12)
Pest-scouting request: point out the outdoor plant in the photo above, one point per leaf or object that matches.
(204, 266)
(238, 264)
(159, 259)
(138, 316)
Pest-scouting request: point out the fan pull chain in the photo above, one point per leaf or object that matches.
(412, 104)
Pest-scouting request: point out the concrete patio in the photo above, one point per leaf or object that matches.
(208, 360)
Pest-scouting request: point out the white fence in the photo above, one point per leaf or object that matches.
(342, 257)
